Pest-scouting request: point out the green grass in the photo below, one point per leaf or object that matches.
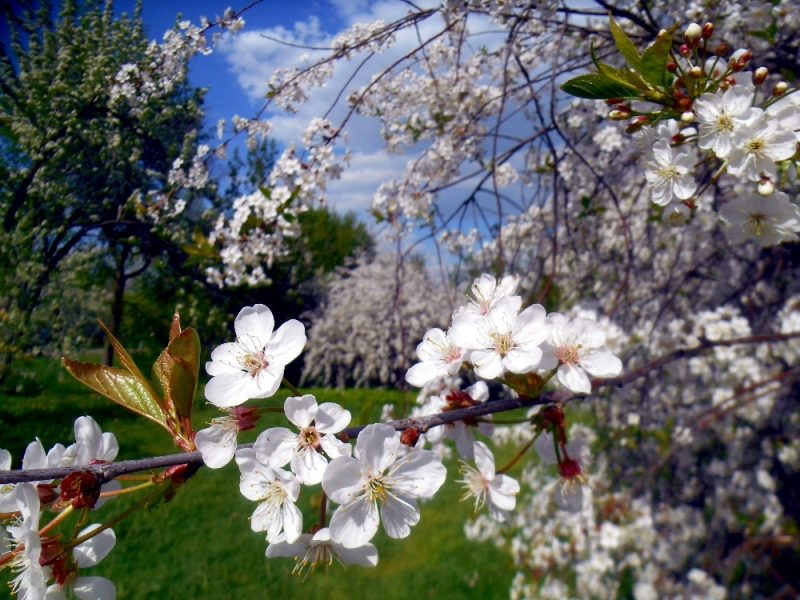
(200, 544)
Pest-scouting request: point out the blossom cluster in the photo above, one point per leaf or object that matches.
(48, 566)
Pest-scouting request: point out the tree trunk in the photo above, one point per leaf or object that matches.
(120, 280)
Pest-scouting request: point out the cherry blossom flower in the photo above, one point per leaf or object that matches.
(722, 115)
(568, 491)
(376, 475)
(92, 445)
(318, 549)
(768, 220)
(30, 577)
(486, 291)
(758, 145)
(484, 483)
(276, 490)
(252, 366)
(318, 425)
(574, 346)
(85, 555)
(669, 173)
(8, 498)
(503, 340)
(439, 357)
(217, 443)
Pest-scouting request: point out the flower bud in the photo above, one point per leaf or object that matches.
(695, 72)
(780, 88)
(722, 49)
(708, 30)
(683, 104)
(685, 50)
(636, 124)
(692, 35)
(687, 117)
(613, 101)
(618, 115)
(765, 186)
(739, 59)
(82, 488)
(672, 66)
(727, 82)
(760, 75)
(409, 436)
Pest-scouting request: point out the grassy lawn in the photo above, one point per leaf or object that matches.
(200, 545)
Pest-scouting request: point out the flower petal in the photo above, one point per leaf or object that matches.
(484, 459)
(253, 326)
(94, 588)
(287, 343)
(418, 475)
(377, 446)
(217, 445)
(331, 418)
(301, 410)
(399, 513)
(354, 524)
(95, 549)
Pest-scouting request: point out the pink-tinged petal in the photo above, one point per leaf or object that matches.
(95, 549)
(430, 346)
(292, 521)
(266, 382)
(331, 418)
(465, 331)
(464, 439)
(5, 460)
(88, 433)
(267, 517)
(226, 356)
(309, 466)
(226, 391)
(253, 326)
(399, 513)
(522, 361)
(377, 446)
(503, 484)
(502, 501)
(545, 448)
(276, 446)
(418, 475)
(602, 364)
(334, 447)
(568, 496)
(301, 410)
(488, 363)
(366, 555)
(34, 457)
(484, 460)
(217, 445)
(574, 378)
(94, 588)
(479, 391)
(287, 343)
(355, 524)
(422, 373)
(280, 547)
(344, 480)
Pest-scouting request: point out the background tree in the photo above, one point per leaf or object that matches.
(72, 164)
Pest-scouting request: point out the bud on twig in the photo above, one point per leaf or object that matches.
(780, 88)
(765, 186)
(685, 50)
(760, 75)
(739, 59)
(687, 117)
(636, 124)
(672, 66)
(708, 30)
(692, 35)
(613, 101)
(722, 49)
(409, 436)
(695, 72)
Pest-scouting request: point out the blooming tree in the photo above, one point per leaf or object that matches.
(631, 179)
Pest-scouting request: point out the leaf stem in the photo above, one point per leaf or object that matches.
(127, 490)
(521, 453)
(291, 386)
(58, 518)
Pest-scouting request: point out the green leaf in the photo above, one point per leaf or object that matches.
(624, 45)
(654, 58)
(184, 350)
(621, 76)
(121, 387)
(596, 86)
